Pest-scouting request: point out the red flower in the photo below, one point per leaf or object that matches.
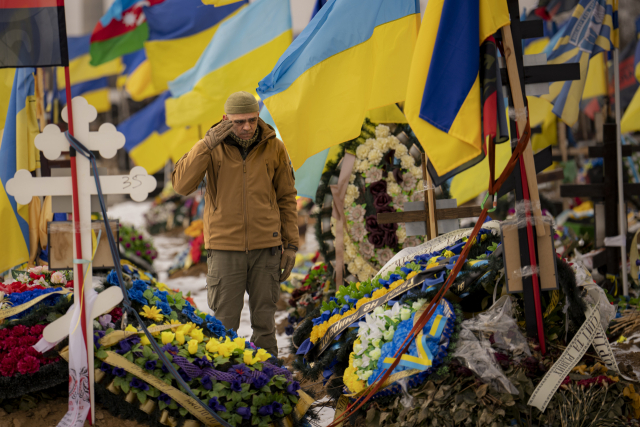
(18, 331)
(8, 343)
(191, 301)
(8, 367)
(69, 284)
(116, 314)
(36, 330)
(35, 276)
(27, 341)
(4, 333)
(28, 365)
(566, 380)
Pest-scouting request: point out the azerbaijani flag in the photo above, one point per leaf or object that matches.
(444, 100)
(32, 33)
(122, 30)
(350, 59)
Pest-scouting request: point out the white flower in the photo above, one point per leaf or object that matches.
(361, 165)
(356, 213)
(352, 268)
(23, 278)
(359, 262)
(36, 270)
(366, 249)
(378, 310)
(350, 253)
(375, 156)
(352, 179)
(358, 349)
(407, 162)
(388, 335)
(348, 200)
(362, 152)
(58, 277)
(357, 362)
(417, 305)
(402, 234)
(382, 131)
(375, 354)
(393, 189)
(384, 255)
(405, 313)
(40, 282)
(365, 360)
(416, 171)
(357, 231)
(376, 343)
(379, 145)
(410, 242)
(417, 196)
(401, 150)
(365, 375)
(352, 190)
(373, 175)
(409, 182)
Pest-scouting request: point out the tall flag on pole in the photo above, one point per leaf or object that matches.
(593, 28)
(179, 32)
(637, 53)
(444, 99)
(631, 118)
(348, 60)
(243, 50)
(17, 151)
(122, 30)
(32, 33)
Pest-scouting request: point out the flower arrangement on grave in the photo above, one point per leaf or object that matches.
(309, 295)
(242, 383)
(135, 243)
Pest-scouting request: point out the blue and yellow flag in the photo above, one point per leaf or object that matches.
(593, 28)
(443, 99)
(349, 59)
(179, 31)
(243, 50)
(631, 118)
(136, 77)
(17, 151)
(637, 53)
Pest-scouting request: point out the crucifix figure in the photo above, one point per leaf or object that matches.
(138, 184)
(431, 214)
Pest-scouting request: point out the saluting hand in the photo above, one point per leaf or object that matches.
(217, 134)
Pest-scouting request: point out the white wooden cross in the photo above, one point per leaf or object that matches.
(138, 184)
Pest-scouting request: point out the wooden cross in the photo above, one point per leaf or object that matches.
(431, 214)
(138, 184)
(606, 215)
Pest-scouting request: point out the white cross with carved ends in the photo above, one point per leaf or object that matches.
(138, 184)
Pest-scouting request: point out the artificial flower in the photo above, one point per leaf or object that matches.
(248, 358)
(28, 365)
(150, 365)
(293, 388)
(180, 336)
(405, 313)
(263, 355)
(165, 398)
(212, 345)
(375, 354)
(236, 386)
(193, 347)
(144, 340)
(388, 334)
(197, 334)
(365, 375)
(206, 382)
(139, 384)
(168, 337)
(58, 278)
(152, 313)
(243, 411)
(173, 322)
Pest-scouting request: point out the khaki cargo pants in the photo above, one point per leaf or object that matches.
(230, 274)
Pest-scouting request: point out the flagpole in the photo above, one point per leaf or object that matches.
(79, 273)
(622, 214)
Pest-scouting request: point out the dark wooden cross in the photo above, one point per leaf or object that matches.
(606, 216)
(430, 215)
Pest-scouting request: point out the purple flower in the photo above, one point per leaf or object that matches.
(265, 410)
(164, 398)
(140, 237)
(293, 388)
(288, 330)
(134, 339)
(127, 245)
(125, 347)
(216, 405)
(391, 239)
(105, 321)
(170, 348)
(236, 386)
(377, 239)
(139, 384)
(138, 253)
(164, 369)
(118, 372)
(240, 370)
(244, 412)
(206, 382)
(382, 200)
(202, 362)
(268, 372)
(184, 375)
(260, 382)
(105, 367)
(378, 188)
(150, 365)
(277, 408)
(371, 223)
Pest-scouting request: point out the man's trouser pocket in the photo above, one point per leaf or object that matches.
(213, 292)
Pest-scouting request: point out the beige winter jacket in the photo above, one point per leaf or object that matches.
(249, 204)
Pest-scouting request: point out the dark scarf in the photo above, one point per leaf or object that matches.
(245, 143)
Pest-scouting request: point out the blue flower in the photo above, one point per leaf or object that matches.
(217, 406)
(288, 330)
(232, 334)
(260, 382)
(236, 386)
(188, 307)
(140, 285)
(244, 412)
(206, 382)
(184, 375)
(127, 269)
(265, 411)
(268, 372)
(277, 408)
(217, 328)
(119, 372)
(125, 347)
(202, 362)
(164, 307)
(150, 365)
(105, 367)
(293, 388)
(97, 336)
(164, 369)
(112, 278)
(164, 398)
(137, 296)
(139, 384)
(172, 349)
(162, 295)
(192, 316)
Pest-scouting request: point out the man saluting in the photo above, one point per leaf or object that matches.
(250, 225)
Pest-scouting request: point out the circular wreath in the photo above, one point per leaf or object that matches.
(383, 179)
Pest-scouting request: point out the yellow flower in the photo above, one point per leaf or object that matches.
(193, 347)
(197, 334)
(212, 345)
(378, 293)
(224, 349)
(152, 313)
(249, 359)
(131, 328)
(187, 327)
(395, 284)
(580, 369)
(240, 343)
(263, 355)
(448, 254)
(180, 337)
(168, 337)
(358, 285)
(173, 322)
(144, 340)
(162, 287)
(484, 237)
(412, 275)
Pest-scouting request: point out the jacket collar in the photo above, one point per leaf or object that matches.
(267, 133)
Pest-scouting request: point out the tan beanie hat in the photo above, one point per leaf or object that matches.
(241, 103)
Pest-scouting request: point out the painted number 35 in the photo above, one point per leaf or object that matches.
(131, 181)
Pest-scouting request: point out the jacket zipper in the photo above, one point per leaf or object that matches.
(244, 194)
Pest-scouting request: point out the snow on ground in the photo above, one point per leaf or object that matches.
(130, 213)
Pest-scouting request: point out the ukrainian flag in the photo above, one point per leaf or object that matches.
(631, 118)
(637, 54)
(87, 80)
(443, 103)
(351, 58)
(150, 142)
(243, 50)
(179, 31)
(17, 151)
(136, 78)
(593, 28)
